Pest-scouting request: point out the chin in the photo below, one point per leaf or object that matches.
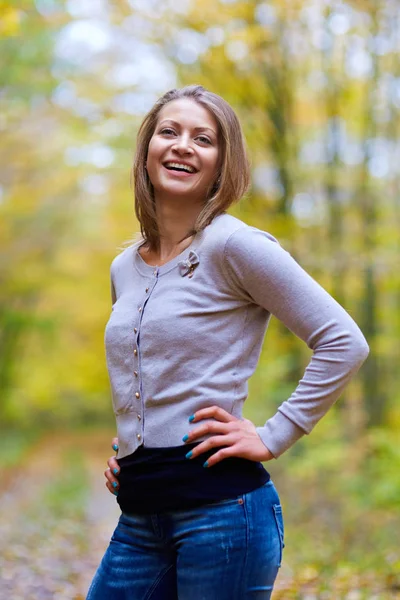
(181, 192)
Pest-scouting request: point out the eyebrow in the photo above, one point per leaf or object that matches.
(203, 128)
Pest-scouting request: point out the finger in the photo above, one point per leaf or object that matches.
(115, 444)
(113, 465)
(220, 455)
(215, 412)
(111, 479)
(209, 427)
(111, 489)
(214, 442)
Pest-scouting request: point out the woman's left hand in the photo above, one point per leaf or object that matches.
(238, 436)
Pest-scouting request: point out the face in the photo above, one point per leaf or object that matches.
(183, 154)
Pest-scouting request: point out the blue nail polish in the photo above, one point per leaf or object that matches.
(189, 454)
(115, 484)
(115, 493)
(185, 438)
(115, 447)
(191, 418)
(205, 464)
(115, 471)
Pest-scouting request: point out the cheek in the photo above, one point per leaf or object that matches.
(152, 160)
(151, 152)
(213, 164)
(214, 157)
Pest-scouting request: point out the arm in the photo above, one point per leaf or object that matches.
(113, 468)
(266, 274)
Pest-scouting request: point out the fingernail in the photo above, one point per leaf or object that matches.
(189, 454)
(115, 447)
(115, 493)
(115, 471)
(206, 464)
(115, 484)
(185, 438)
(191, 418)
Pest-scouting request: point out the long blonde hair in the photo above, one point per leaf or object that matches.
(231, 183)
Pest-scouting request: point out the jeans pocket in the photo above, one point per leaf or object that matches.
(280, 527)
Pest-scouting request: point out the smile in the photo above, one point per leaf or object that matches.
(175, 166)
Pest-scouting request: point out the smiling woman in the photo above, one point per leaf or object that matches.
(198, 128)
(183, 154)
(201, 518)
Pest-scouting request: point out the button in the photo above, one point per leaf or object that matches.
(139, 417)
(135, 352)
(140, 308)
(139, 437)
(135, 373)
(154, 272)
(147, 289)
(137, 395)
(135, 330)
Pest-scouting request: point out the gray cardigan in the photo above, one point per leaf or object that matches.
(188, 335)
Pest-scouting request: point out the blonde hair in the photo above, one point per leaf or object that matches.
(231, 183)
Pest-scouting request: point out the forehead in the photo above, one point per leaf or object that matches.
(188, 113)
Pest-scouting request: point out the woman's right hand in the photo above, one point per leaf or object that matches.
(113, 470)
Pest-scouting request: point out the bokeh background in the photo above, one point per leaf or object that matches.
(316, 85)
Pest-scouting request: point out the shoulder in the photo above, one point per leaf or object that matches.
(222, 226)
(228, 231)
(231, 236)
(226, 227)
(124, 259)
(250, 238)
(240, 254)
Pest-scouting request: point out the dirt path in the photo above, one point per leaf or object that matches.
(49, 549)
(101, 517)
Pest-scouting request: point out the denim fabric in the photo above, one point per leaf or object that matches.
(226, 550)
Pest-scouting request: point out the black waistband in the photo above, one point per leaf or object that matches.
(160, 479)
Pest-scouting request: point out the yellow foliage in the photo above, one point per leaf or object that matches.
(10, 21)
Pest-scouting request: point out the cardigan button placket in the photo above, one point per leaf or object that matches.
(136, 351)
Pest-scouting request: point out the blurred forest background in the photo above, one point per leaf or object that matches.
(316, 85)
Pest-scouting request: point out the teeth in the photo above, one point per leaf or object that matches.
(173, 165)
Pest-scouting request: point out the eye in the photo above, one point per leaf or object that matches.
(167, 131)
(204, 139)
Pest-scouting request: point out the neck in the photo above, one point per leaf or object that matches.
(175, 218)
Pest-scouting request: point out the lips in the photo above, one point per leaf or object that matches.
(180, 167)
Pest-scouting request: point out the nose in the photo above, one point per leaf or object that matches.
(182, 145)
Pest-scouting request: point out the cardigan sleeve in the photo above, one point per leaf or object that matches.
(113, 294)
(260, 268)
(113, 273)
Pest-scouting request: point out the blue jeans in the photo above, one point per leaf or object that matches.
(227, 550)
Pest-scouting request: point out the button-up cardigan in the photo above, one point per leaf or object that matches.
(188, 335)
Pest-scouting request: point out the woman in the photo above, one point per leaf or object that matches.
(201, 518)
